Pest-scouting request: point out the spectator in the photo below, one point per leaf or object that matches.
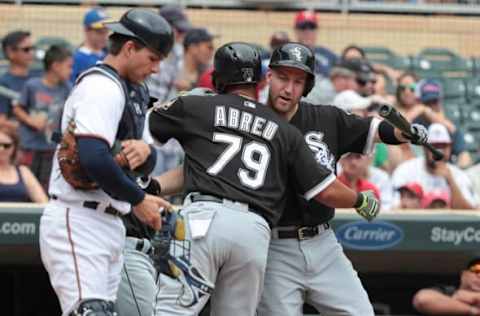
(351, 102)
(449, 300)
(431, 95)
(365, 76)
(306, 30)
(197, 56)
(17, 183)
(438, 175)
(411, 195)
(436, 199)
(354, 171)
(162, 84)
(380, 88)
(94, 47)
(383, 182)
(353, 52)
(278, 39)
(325, 90)
(40, 109)
(18, 49)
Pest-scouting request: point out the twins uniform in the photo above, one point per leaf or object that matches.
(81, 233)
(238, 157)
(305, 261)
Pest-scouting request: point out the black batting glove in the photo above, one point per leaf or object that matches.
(419, 134)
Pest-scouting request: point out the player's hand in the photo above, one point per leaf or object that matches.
(136, 151)
(150, 209)
(369, 206)
(419, 134)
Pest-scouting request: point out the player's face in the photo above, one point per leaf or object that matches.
(97, 38)
(141, 63)
(407, 91)
(286, 88)
(204, 52)
(307, 35)
(355, 165)
(446, 149)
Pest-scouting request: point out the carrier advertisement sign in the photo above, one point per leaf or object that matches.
(376, 235)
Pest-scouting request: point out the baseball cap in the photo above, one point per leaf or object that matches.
(94, 18)
(197, 35)
(438, 134)
(176, 17)
(430, 90)
(362, 68)
(413, 187)
(306, 17)
(436, 195)
(278, 39)
(350, 100)
(340, 71)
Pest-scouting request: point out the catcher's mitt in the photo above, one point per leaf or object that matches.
(69, 161)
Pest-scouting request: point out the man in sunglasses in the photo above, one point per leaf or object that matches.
(18, 50)
(438, 175)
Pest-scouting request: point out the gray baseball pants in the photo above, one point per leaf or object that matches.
(315, 271)
(232, 255)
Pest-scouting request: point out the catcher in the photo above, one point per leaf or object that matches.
(82, 235)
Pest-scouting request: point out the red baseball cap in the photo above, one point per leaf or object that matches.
(413, 187)
(437, 195)
(306, 17)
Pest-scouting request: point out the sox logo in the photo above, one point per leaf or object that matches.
(297, 53)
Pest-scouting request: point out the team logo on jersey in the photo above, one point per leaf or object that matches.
(297, 52)
(247, 74)
(320, 150)
(249, 104)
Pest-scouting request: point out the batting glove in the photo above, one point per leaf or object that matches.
(367, 205)
(419, 134)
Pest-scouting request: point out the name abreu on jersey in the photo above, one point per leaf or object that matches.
(324, 157)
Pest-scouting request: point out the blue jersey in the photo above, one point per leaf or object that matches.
(15, 83)
(84, 58)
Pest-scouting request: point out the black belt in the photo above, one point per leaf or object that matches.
(211, 198)
(94, 206)
(139, 247)
(302, 233)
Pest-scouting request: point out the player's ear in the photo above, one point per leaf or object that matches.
(269, 74)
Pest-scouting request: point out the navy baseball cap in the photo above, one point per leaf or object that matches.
(176, 17)
(197, 35)
(95, 18)
(430, 90)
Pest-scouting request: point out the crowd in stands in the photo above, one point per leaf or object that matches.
(402, 177)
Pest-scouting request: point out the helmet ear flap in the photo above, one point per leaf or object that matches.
(309, 85)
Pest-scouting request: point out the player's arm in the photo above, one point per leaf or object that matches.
(34, 188)
(319, 183)
(433, 302)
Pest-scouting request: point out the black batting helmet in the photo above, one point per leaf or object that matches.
(236, 63)
(298, 56)
(147, 27)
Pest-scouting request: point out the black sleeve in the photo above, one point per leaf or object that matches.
(354, 132)
(167, 121)
(310, 176)
(147, 167)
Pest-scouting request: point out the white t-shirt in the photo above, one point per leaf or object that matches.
(383, 182)
(97, 104)
(414, 170)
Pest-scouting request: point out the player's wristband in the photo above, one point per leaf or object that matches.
(386, 132)
(149, 185)
(360, 200)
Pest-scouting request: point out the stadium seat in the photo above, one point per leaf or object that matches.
(453, 88)
(455, 110)
(473, 88)
(383, 55)
(442, 61)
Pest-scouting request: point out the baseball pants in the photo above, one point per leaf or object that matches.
(232, 255)
(315, 271)
(137, 290)
(81, 250)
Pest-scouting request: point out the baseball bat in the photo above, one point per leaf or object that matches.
(391, 115)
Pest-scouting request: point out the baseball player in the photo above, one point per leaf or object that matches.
(305, 261)
(81, 233)
(239, 155)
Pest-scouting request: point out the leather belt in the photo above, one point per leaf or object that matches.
(197, 197)
(300, 233)
(94, 205)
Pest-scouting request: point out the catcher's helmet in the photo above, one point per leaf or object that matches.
(297, 56)
(147, 27)
(236, 63)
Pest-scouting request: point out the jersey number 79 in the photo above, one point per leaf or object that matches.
(255, 157)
